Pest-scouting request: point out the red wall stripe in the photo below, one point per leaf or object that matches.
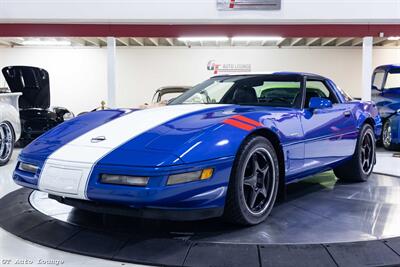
(121, 30)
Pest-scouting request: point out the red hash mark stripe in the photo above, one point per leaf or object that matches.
(239, 124)
(247, 120)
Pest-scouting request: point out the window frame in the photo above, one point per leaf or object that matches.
(327, 86)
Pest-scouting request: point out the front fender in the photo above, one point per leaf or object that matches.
(395, 125)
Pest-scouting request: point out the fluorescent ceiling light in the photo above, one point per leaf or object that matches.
(46, 42)
(394, 38)
(204, 39)
(257, 38)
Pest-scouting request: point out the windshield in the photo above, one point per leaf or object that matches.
(266, 90)
(392, 81)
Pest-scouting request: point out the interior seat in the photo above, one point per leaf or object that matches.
(245, 95)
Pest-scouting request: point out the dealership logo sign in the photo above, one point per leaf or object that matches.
(212, 65)
(226, 5)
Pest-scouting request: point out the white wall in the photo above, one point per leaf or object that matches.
(78, 75)
(196, 11)
(141, 71)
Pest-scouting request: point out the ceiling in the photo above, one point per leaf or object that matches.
(174, 42)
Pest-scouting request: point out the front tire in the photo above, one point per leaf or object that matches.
(253, 184)
(6, 142)
(360, 167)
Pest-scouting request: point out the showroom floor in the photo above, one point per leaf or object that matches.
(15, 248)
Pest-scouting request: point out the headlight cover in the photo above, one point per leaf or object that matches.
(124, 180)
(26, 167)
(190, 176)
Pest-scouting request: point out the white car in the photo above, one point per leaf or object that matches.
(10, 125)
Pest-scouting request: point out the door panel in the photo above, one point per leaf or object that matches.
(329, 132)
(329, 135)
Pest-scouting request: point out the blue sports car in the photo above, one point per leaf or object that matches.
(226, 147)
(386, 95)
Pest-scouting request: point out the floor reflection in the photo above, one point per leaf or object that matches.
(318, 210)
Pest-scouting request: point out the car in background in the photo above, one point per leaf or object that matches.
(386, 95)
(34, 104)
(10, 125)
(226, 147)
(164, 95)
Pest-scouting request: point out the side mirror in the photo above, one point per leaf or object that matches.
(319, 103)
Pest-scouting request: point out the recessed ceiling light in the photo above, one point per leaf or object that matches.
(46, 42)
(204, 39)
(257, 38)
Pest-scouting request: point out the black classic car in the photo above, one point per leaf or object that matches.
(34, 105)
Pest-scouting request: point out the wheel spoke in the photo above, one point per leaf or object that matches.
(250, 181)
(255, 165)
(263, 192)
(252, 198)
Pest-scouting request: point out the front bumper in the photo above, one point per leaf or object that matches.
(206, 198)
(147, 213)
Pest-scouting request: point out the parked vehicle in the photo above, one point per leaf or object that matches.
(386, 95)
(224, 148)
(164, 95)
(10, 125)
(34, 104)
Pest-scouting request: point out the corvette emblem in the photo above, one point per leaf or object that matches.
(98, 139)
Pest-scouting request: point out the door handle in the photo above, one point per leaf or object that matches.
(347, 113)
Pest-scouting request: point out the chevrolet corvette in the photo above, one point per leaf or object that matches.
(227, 147)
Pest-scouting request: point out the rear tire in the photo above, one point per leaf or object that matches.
(253, 184)
(361, 165)
(387, 140)
(7, 141)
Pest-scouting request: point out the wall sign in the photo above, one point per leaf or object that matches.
(227, 67)
(225, 5)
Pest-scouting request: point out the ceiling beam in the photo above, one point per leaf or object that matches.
(279, 43)
(343, 41)
(357, 41)
(4, 42)
(154, 41)
(91, 40)
(103, 41)
(77, 41)
(139, 41)
(327, 41)
(124, 41)
(295, 41)
(170, 41)
(176, 30)
(379, 40)
(311, 41)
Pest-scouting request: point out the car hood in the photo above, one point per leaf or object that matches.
(153, 137)
(32, 82)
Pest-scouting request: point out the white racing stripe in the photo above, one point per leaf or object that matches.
(66, 172)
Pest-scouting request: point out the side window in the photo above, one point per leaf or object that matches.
(378, 79)
(318, 89)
